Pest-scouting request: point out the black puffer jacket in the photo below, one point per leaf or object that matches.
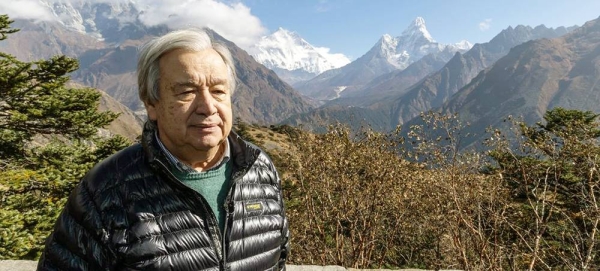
(130, 213)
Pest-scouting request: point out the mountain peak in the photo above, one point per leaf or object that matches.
(281, 30)
(463, 45)
(414, 43)
(417, 28)
(286, 34)
(419, 21)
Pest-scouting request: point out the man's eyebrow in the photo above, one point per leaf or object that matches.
(215, 81)
(185, 84)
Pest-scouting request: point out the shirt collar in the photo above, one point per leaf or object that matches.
(186, 168)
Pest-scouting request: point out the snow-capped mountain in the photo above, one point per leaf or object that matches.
(290, 56)
(387, 55)
(414, 43)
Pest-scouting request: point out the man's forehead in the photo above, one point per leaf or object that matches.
(192, 81)
(183, 54)
(188, 67)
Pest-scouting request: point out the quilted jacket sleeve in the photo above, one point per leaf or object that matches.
(79, 238)
(285, 232)
(285, 247)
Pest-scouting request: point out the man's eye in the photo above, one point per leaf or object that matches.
(186, 92)
(219, 91)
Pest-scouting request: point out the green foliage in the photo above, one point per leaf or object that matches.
(32, 198)
(30, 207)
(35, 181)
(5, 26)
(34, 100)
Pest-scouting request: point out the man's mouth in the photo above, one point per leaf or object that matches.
(205, 125)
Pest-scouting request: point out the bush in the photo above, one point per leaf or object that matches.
(343, 200)
(528, 202)
(552, 174)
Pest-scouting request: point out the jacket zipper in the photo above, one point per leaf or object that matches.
(228, 211)
(229, 208)
(213, 227)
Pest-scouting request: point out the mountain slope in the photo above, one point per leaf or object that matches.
(110, 21)
(532, 78)
(394, 83)
(45, 39)
(318, 120)
(128, 124)
(394, 101)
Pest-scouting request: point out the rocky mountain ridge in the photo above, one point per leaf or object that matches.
(531, 79)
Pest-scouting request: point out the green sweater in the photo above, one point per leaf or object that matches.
(213, 185)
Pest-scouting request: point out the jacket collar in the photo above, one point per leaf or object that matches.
(243, 153)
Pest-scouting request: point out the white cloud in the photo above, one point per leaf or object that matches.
(231, 19)
(338, 60)
(234, 21)
(26, 9)
(485, 25)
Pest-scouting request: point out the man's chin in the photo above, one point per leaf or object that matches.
(208, 143)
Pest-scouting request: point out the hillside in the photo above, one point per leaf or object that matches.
(533, 78)
(128, 124)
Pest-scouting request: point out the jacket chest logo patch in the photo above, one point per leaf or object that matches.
(254, 206)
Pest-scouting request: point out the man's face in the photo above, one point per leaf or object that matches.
(194, 109)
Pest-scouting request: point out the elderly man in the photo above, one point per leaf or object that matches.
(193, 195)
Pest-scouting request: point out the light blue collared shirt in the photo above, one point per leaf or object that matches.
(185, 168)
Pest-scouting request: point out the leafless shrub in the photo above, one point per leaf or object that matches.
(366, 200)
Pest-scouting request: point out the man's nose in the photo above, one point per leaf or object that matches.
(205, 104)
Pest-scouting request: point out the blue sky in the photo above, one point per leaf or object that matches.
(352, 27)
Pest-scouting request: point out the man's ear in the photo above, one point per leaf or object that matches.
(151, 111)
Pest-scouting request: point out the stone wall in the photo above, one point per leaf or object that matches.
(10, 265)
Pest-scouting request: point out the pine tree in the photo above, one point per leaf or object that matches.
(35, 181)
(34, 100)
